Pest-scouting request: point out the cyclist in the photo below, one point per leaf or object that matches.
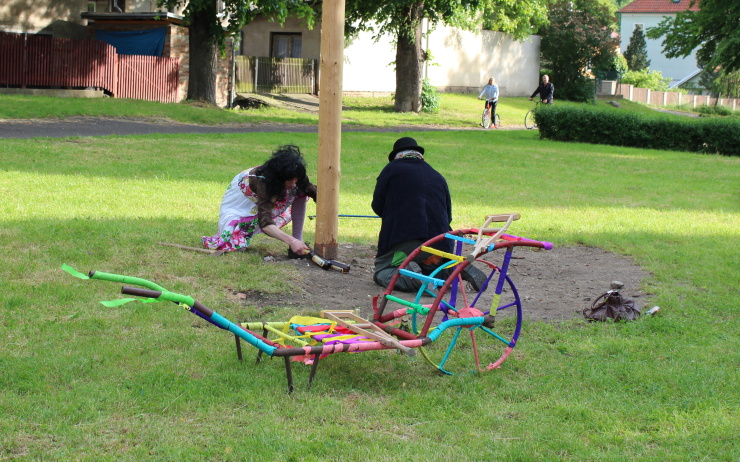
(546, 90)
(491, 92)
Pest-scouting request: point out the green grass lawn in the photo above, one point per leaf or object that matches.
(81, 381)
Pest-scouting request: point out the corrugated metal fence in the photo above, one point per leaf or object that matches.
(275, 75)
(41, 61)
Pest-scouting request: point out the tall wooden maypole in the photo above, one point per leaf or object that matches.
(330, 127)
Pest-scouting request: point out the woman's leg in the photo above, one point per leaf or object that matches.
(298, 216)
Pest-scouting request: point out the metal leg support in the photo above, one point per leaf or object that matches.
(238, 347)
(288, 374)
(314, 366)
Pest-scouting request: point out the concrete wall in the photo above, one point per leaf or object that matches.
(677, 68)
(468, 59)
(462, 62)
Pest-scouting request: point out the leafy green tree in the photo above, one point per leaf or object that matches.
(402, 20)
(645, 79)
(577, 39)
(636, 52)
(208, 33)
(713, 31)
(517, 18)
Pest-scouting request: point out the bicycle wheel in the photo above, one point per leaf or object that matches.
(497, 120)
(529, 120)
(486, 119)
(474, 347)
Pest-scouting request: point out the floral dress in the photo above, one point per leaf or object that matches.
(238, 220)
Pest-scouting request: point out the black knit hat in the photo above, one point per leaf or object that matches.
(404, 144)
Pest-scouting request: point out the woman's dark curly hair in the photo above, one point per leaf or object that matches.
(285, 164)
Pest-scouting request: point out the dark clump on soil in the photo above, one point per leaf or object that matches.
(554, 285)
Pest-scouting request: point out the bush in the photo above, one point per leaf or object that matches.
(715, 110)
(645, 79)
(592, 124)
(429, 97)
(580, 90)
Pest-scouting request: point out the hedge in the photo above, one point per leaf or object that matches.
(601, 125)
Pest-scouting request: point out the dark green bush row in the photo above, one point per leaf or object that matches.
(591, 124)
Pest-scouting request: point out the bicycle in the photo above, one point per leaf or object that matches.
(486, 118)
(529, 121)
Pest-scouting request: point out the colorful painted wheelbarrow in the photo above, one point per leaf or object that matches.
(455, 329)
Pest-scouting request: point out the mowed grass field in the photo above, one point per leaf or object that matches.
(82, 381)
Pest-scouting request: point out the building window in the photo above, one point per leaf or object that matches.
(285, 45)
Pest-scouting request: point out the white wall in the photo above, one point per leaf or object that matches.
(676, 68)
(462, 61)
(468, 59)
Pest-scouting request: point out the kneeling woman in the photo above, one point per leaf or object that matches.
(264, 199)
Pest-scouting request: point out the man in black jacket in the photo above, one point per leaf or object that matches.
(414, 203)
(546, 90)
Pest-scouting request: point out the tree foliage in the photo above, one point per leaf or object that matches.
(577, 39)
(517, 18)
(713, 31)
(646, 79)
(636, 52)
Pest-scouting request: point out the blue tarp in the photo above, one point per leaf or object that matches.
(148, 42)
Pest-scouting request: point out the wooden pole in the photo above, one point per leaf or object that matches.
(330, 127)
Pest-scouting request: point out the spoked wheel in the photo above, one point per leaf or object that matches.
(497, 120)
(486, 119)
(473, 347)
(529, 120)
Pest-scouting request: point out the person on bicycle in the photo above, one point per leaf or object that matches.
(491, 92)
(546, 90)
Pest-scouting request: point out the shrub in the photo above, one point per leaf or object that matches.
(715, 110)
(645, 79)
(429, 97)
(592, 124)
(580, 90)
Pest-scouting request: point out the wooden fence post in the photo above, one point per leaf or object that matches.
(330, 127)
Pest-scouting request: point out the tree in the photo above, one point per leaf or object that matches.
(208, 33)
(517, 18)
(636, 52)
(402, 19)
(579, 37)
(713, 31)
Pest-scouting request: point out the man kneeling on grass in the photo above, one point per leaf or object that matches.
(414, 203)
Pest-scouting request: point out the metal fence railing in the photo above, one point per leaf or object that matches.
(275, 75)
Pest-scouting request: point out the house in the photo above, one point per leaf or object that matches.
(648, 13)
(462, 60)
(134, 27)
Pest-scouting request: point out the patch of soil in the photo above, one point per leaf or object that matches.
(554, 285)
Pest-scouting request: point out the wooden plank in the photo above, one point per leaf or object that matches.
(358, 327)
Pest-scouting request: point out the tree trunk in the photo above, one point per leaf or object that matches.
(409, 62)
(203, 55)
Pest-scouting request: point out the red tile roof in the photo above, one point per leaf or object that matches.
(659, 6)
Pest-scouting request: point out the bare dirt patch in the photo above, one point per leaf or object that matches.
(554, 285)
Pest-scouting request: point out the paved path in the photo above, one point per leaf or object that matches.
(104, 126)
